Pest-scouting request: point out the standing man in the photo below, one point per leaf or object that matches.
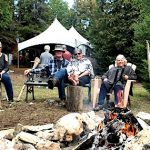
(45, 57)
(56, 71)
(4, 76)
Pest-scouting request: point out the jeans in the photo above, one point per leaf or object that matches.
(103, 93)
(8, 85)
(61, 76)
(84, 80)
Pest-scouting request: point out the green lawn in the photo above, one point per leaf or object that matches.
(139, 102)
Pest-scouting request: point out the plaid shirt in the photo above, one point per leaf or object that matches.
(53, 66)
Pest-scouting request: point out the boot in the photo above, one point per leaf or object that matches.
(52, 82)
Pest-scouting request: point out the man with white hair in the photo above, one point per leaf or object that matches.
(45, 57)
(115, 79)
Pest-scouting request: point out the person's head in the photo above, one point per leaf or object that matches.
(78, 54)
(0, 46)
(47, 48)
(120, 61)
(64, 47)
(58, 51)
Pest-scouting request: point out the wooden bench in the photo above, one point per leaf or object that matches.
(40, 80)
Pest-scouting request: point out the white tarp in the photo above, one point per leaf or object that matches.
(80, 40)
(55, 34)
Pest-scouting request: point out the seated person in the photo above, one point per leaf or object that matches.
(80, 70)
(115, 79)
(4, 76)
(45, 57)
(56, 70)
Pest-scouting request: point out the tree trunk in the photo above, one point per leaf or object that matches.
(74, 98)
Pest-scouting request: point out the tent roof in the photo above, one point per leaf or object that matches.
(55, 34)
(79, 38)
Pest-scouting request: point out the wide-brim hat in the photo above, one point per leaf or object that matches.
(59, 48)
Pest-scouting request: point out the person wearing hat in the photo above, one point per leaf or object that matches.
(115, 79)
(56, 70)
(45, 57)
(4, 76)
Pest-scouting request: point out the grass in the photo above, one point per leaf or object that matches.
(140, 101)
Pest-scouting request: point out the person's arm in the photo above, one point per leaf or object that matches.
(85, 73)
(129, 74)
(88, 70)
(36, 62)
(5, 69)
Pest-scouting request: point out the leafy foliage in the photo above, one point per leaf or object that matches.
(114, 31)
(142, 33)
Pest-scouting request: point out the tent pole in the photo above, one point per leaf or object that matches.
(18, 59)
(17, 40)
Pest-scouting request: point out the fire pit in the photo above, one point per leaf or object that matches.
(120, 126)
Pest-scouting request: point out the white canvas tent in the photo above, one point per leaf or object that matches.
(79, 38)
(55, 34)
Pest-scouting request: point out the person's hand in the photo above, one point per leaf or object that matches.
(126, 77)
(105, 80)
(26, 72)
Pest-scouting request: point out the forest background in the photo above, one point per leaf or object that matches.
(112, 26)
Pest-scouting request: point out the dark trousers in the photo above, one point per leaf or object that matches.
(61, 76)
(8, 85)
(103, 93)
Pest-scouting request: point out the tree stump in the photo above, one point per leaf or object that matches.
(74, 98)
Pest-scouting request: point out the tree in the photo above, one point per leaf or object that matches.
(59, 9)
(142, 33)
(32, 17)
(114, 31)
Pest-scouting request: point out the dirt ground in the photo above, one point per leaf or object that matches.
(37, 113)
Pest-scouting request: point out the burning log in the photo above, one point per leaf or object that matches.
(120, 125)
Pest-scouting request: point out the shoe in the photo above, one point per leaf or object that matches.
(98, 107)
(52, 82)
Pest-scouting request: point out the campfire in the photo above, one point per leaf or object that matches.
(119, 127)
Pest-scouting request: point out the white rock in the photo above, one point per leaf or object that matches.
(27, 137)
(8, 134)
(139, 141)
(47, 145)
(143, 115)
(38, 128)
(69, 126)
(6, 144)
(45, 135)
(142, 123)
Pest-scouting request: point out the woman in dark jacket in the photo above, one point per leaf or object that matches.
(115, 79)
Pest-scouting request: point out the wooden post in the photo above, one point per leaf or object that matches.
(0, 95)
(96, 88)
(74, 98)
(148, 57)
